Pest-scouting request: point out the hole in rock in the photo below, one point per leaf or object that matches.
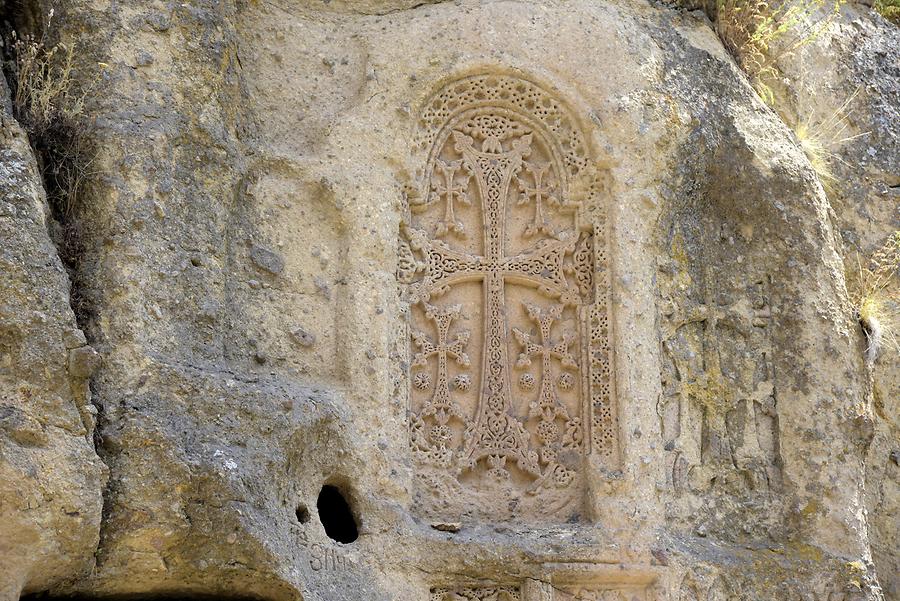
(336, 516)
(302, 514)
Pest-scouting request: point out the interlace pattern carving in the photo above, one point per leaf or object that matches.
(491, 593)
(504, 433)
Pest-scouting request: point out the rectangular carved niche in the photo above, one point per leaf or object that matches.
(503, 257)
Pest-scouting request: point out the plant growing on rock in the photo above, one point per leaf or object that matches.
(45, 93)
(820, 138)
(889, 9)
(875, 295)
(48, 102)
(758, 33)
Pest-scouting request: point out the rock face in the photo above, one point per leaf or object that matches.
(51, 480)
(464, 300)
(854, 70)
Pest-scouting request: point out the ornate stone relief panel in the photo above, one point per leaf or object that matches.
(488, 593)
(587, 593)
(590, 583)
(503, 260)
(593, 582)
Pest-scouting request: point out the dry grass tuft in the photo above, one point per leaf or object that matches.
(45, 91)
(820, 139)
(760, 32)
(875, 294)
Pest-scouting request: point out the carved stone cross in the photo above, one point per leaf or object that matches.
(441, 405)
(495, 434)
(451, 191)
(548, 406)
(537, 193)
(504, 157)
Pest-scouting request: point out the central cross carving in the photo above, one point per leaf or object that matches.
(503, 255)
(494, 434)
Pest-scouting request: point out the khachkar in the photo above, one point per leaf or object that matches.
(503, 257)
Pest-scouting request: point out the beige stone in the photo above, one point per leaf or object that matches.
(361, 245)
(51, 479)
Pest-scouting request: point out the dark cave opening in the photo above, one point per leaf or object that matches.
(336, 515)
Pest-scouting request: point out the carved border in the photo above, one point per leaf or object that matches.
(604, 428)
(551, 581)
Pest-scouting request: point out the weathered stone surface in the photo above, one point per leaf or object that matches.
(855, 68)
(83, 362)
(51, 479)
(250, 296)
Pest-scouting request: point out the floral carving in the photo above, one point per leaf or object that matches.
(526, 381)
(462, 382)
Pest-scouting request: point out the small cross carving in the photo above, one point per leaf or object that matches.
(560, 350)
(441, 404)
(548, 406)
(539, 193)
(452, 191)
